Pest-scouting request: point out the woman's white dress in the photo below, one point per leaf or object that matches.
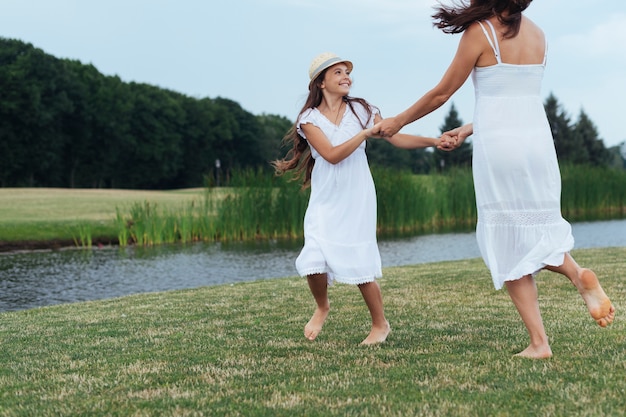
(520, 229)
(340, 220)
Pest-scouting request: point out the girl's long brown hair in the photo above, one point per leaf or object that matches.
(458, 17)
(299, 157)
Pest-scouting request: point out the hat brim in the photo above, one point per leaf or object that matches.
(329, 63)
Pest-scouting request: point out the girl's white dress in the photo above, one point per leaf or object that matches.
(340, 220)
(520, 229)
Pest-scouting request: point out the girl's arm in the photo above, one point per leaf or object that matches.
(333, 154)
(404, 141)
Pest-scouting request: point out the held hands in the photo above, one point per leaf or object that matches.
(387, 127)
(447, 142)
(454, 138)
(374, 131)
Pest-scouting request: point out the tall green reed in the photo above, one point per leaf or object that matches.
(405, 203)
(258, 205)
(262, 206)
(84, 238)
(123, 227)
(147, 224)
(414, 204)
(592, 193)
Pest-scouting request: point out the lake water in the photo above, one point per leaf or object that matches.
(41, 278)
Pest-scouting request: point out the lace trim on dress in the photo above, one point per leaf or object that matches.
(318, 269)
(521, 218)
(356, 281)
(331, 278)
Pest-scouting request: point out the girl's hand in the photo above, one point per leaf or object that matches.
(374, 131)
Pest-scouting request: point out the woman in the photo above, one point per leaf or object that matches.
(520, 230)
(328, 149)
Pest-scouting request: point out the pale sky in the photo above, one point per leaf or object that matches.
(257, 52)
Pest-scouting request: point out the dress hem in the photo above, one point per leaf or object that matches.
(341, 279)
(541, 267)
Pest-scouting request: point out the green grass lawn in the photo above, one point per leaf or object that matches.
(40, 214)
(238, 350)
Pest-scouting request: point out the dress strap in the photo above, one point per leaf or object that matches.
(545, 54)
(494, 43)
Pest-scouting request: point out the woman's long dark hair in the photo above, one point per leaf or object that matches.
(299, 156)
(458, 17)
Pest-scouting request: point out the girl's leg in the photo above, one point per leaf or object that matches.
(318, 284)
(523, 293)
(374, 301)
(588, 286)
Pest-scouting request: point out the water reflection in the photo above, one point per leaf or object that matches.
(36, 279)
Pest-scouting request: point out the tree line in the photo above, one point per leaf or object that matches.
(64, 124)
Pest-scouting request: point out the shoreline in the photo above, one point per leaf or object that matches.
(53, 244)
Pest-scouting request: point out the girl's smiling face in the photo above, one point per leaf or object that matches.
(337, 79)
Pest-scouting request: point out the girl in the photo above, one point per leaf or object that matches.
(328, 150)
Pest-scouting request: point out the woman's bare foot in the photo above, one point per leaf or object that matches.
(377, 335)
(314, 326)
(598, 303)
(536, 352)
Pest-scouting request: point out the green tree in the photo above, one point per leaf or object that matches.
(423, 161)
(568, 147)
(239, 132)
(382, 153)
(112, 117)
(617, 156)
(34, 102)
(273, 130)
(81, 154)
(585, 132)
(11, 88)
(151, 154)
(199, 144)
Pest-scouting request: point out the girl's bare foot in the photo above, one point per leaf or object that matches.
(536, 352)
(314, 326)
(598, 303)
(377, 334)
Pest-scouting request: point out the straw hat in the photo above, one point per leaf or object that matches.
(323, 61)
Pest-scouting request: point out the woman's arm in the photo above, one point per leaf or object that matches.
(471, 47)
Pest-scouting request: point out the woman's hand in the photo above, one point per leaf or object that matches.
(389, 127)
(462, 132)
(454, 138)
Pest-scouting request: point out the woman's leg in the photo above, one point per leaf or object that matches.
(374, 301)
(523, 293)
(588, 286)
(318, 284)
